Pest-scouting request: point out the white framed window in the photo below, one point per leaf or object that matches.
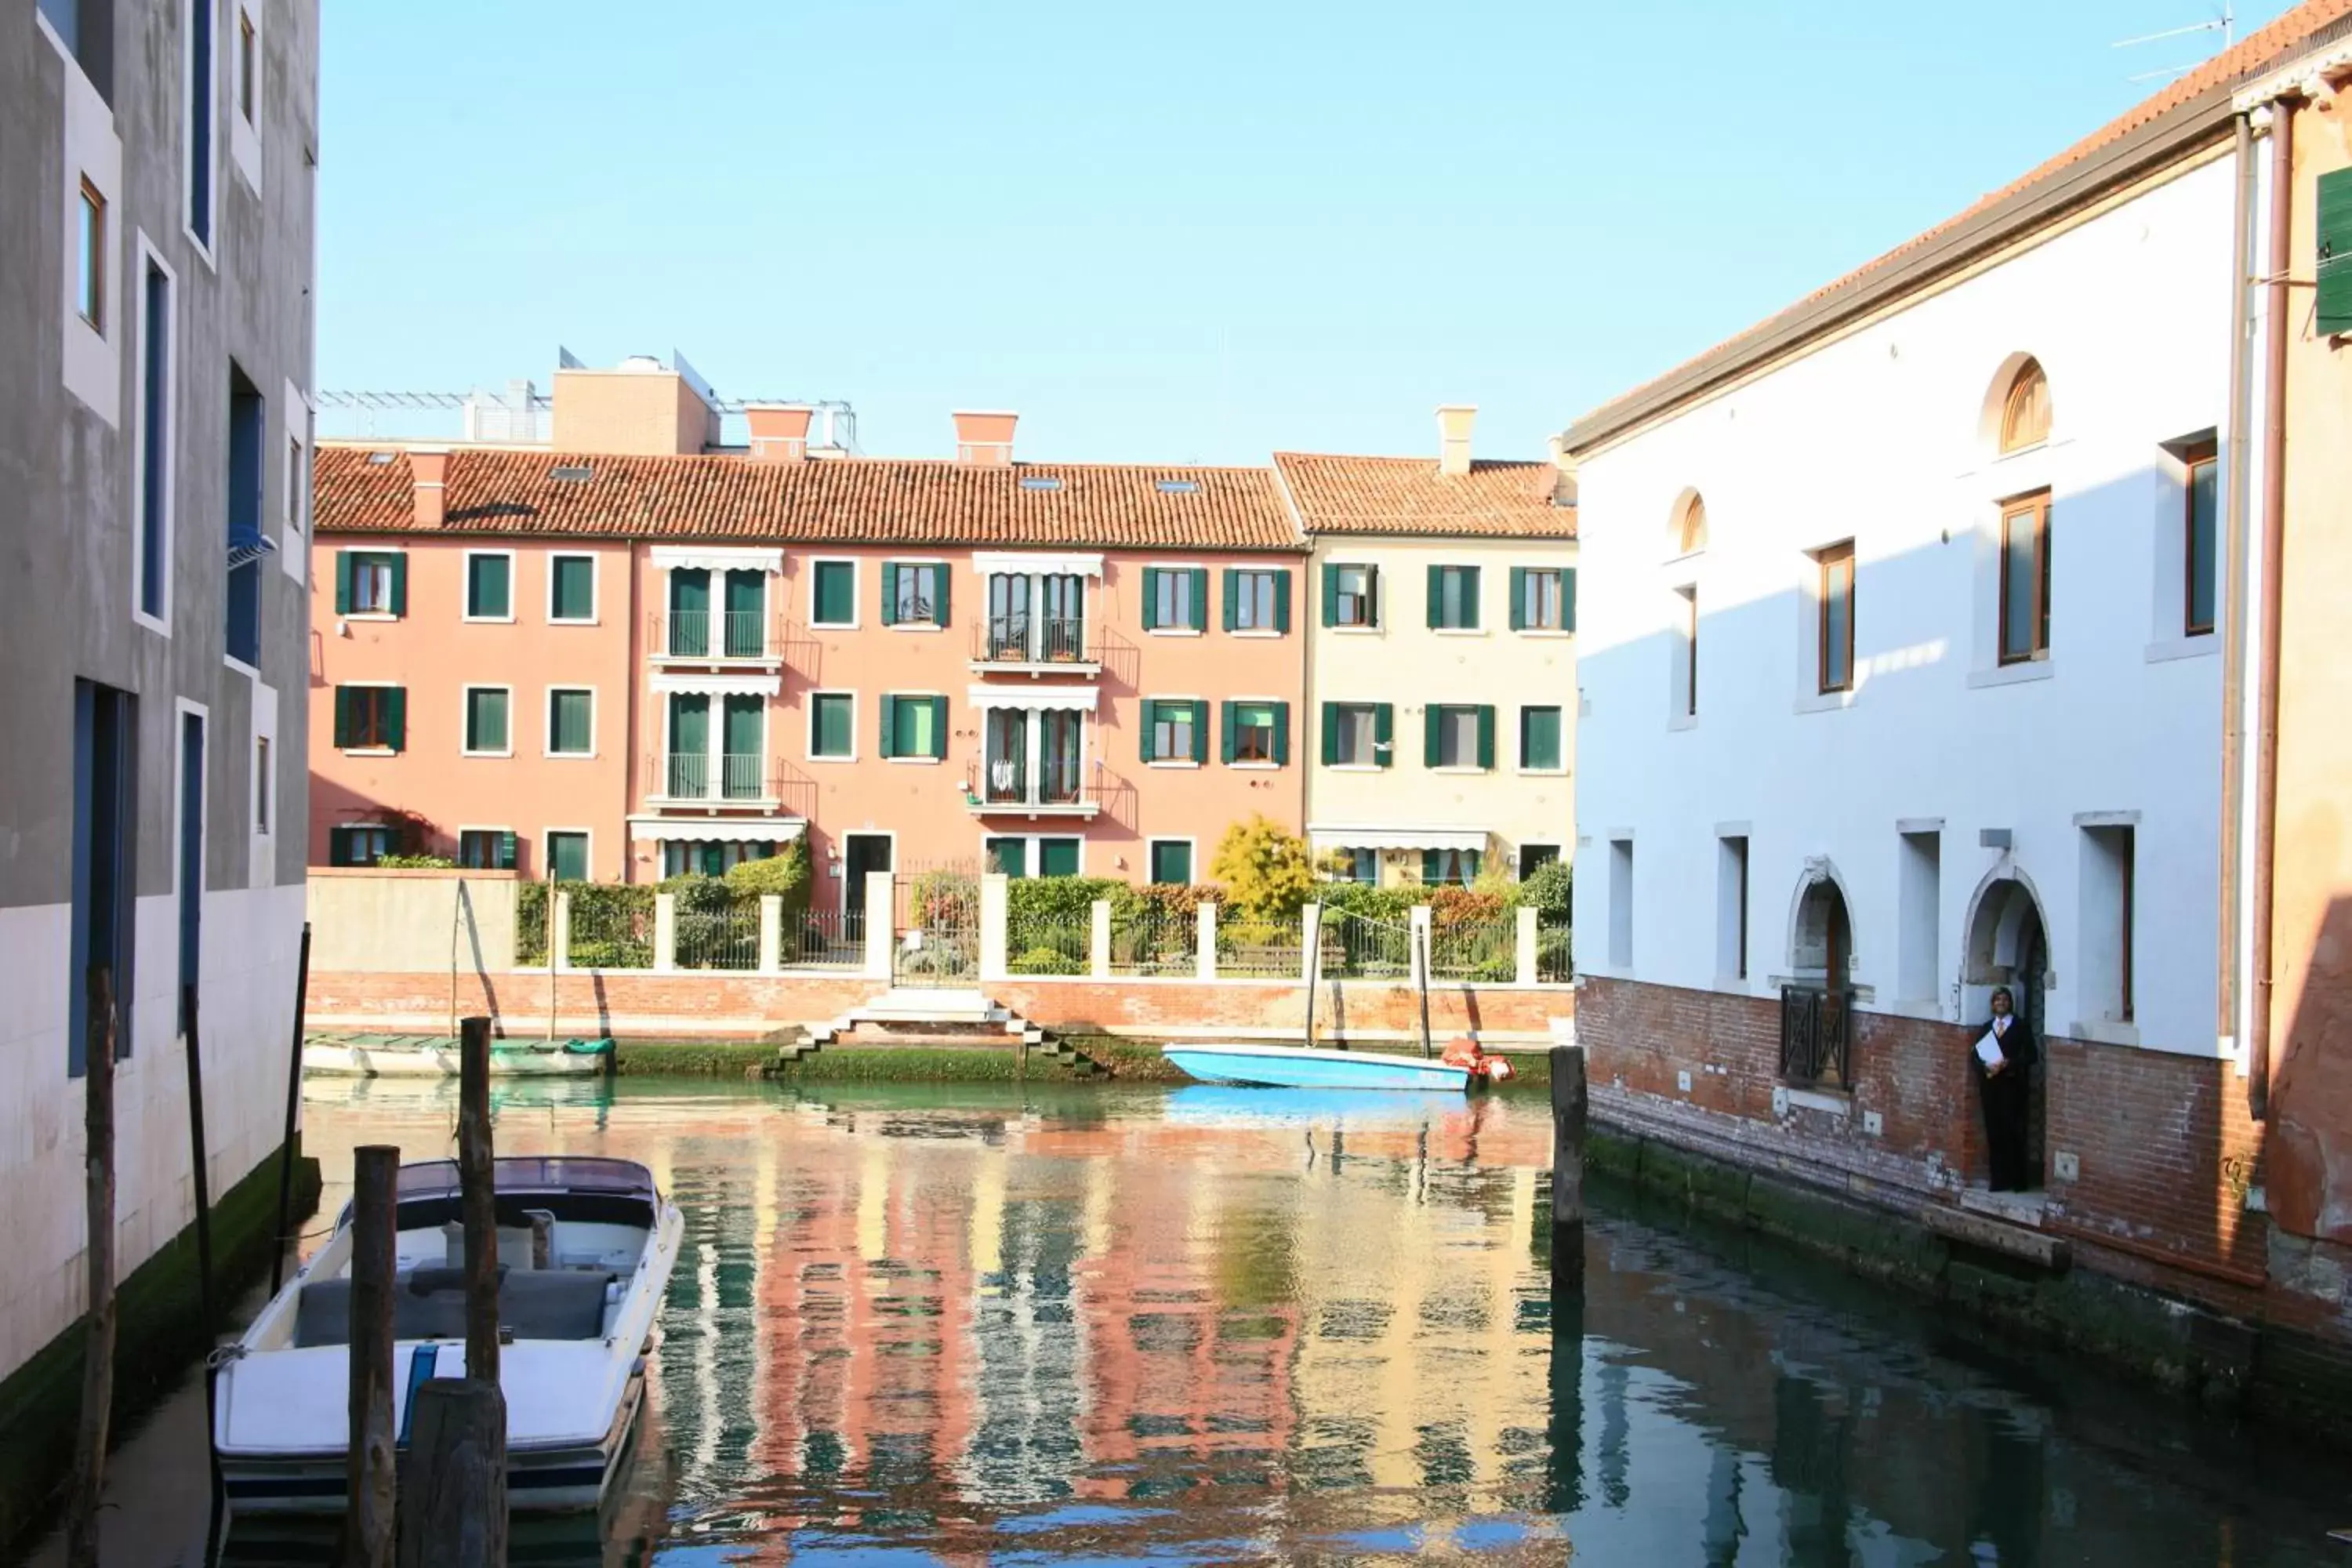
(1175, 599)
(157, 420)
(1620, 903)
(1682, 710)
(200, 129)
(1351, 595)
(570, 854)
(375, 574)
(833, 726)
(489, 586)
(1169, 860)
(832, 592)
(293, 551)
(485, 715)
(263, 782)
(90, 257)
(243, 40)
(571, 589)
(1731, 907)
(481, 848)
(570, 722)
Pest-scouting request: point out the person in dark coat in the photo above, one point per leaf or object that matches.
(2006, 1089)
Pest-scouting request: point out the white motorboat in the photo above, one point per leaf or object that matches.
(436, 1057)
(585, 1248)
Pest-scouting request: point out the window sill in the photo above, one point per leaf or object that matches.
(1733, 985)
(573, 621)
(1353, 768)
(915, 626)
(833, 626)
(367, 615)
(569, 756)
(486, 620)
(1923, 1007)
(1829, 1101)
(1457, 768)
(917, 761)
(1459, 631)
(1255, 632)
(1173, 632)
(1170, 762)
(1543, 773)
(2106, 1032)
(2012, 674)
(239, 664)
(1255, 767)
(2204, 645)
(1826, 701)
(1559, 632)
(370, 751)
(814, 758)
(1355, 630)
(505, 754)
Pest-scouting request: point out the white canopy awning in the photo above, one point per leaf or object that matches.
(717, 829)
(1071, 698)
(718, 557)
(1323, 835)
(1053, 563)
(719, 685)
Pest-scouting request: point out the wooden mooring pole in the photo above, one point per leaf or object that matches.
(1568, 1119)
(370, 1475)
(97, 1352)
(478, 1199)
(293, 1110)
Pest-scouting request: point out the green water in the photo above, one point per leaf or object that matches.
(934, 1325)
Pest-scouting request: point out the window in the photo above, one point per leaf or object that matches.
(2025, 412)
(1257, 732)
(1685, 655)
(261, 783)
(1543, 599)
(1690, 526)
(1453, 598)
(833, 724)
(743, 745)
(486, 850)
(1918, 894)
(1449, 867)
(486, 721)
(834, 598)
(710, 857)
(2025, 578)
(1171, 728)
(1058, 856)
(1006, 857)
(1357, 734)
(157, 431)
(914, 593)
(1175, 598)
(2107, 934)
(1836, 612)
(1534, 858)
(90, 277)
(1351, 595)
(1256, 601)
(1539, 739)
(297, 482)
(86, 28)
(2332, 306)
(105, 859)
(572, 588)
(1731, 907)
(371, 583)
(567, 854)
(248, 68)
(1620, 903)
(1459, 736)
(1361, 865)
(1171, 862)
(199, 98)
(915, 727)
(370, 718)
(241, 601)
(364, 843)
(570, 722)
(2203, 520)
(489, 586)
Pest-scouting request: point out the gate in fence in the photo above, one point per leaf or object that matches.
(935, 927)
(1357, 947)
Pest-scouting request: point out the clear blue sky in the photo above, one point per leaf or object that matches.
(1192, 232)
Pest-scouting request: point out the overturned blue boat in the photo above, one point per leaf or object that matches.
(1299, 1067)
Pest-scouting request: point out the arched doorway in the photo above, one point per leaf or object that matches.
(1816, 1009)
(2010, 945)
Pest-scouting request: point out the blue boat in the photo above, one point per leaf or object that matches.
(1296, 1066)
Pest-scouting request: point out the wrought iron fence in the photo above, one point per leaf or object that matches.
(1816, 1036)
(1555, 954)
(1357, 947)
(1024, 638)
(827, 939)
(718, 928)
(1049, 942)
(1155, 940)
(709, 634)
(687, 776)
(612, 926)
(1260, 950)
(1475, 950)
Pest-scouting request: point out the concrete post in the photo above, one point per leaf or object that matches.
(1525, 944)
(665, 931)
(559, 951)
(880, 916)
(1310, 944)
(771, 933)
(1098, 941)
(995, 915)
(1204, 962)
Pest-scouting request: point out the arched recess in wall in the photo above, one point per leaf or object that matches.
(2017, 411)
(2006, 942)
(1820, 927)
(1686, 524)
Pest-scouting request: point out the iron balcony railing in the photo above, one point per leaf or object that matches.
(1025, 638)
(713, 633)
(1816, 1036)
(1010, 782)
(688, 775)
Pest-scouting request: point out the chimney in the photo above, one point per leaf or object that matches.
(429, 471)
(1454, 420)
(984, 439)
(779, 431)
(1562, 483)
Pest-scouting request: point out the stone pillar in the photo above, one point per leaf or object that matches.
(1205, 961)
(880, 913)
(1098, 941)
(665, 931)
(771, 933)
(559, 947)
(995, 915)
(1310, 944)
(1526, 944)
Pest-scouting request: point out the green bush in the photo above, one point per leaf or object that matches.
(1392, 904)
(1046, 961)
(1056, 899)
(416, 862)
(1549, 892)
(1465, 906)
(786, 872)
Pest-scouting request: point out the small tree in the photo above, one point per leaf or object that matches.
(785, 872)
(1266, 871)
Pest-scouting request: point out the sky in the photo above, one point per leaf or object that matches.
(1163, 233)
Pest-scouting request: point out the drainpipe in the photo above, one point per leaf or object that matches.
(2234, 595)
(2274, 344)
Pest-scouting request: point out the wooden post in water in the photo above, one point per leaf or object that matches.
(1568, 1119)
(478, 1200)
(453, 1513)
(97, 1351)
(293, 1110)
(369, 1473)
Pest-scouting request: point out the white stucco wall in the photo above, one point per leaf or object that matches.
(1882, 437)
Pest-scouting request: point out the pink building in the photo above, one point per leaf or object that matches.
(627, 666)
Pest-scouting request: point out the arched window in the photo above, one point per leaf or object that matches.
(1690, 524)
(2025, 412)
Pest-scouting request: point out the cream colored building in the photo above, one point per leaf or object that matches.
(1440, 737)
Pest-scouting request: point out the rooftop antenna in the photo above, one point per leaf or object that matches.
(2226, 24)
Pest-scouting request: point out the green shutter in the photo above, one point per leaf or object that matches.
(1150, 598)
(1199, 605)
(1485, 734)
(889, 719)
(939, 577)
(1199, 730)
(1282, 734)
(1232, 717)
(395, 717)
(343, 717)
(1281, 601)
(1474, 615)
(506, 861)
(1518, 598)
(343, 582)
(1385, 733)
(1433, 719)
(1430, 868)
(1149, 710)
(1330, 595)
(1330, 727)
(485, 587)
(1567, 600)
(400, 583)
(834, 601)
(1232, 592)
(1057, 856)
(338, 847)
(1436, 597)
(890, 575)
(2335, 253)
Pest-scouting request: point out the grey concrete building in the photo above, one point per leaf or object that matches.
(158, 173)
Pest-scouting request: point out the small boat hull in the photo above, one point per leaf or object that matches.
(425, 1057)
(1296, 1066)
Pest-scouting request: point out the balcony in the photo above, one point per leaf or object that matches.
(698, 779)
(715, 638)
(1023, 644)
(1012, 789)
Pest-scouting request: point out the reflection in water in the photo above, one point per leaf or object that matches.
(974, 1326)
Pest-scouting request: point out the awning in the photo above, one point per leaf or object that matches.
(1070, 698)
(718, 557)
(1323, 835)
(722, 685)
(717, 829)
(1061, 563)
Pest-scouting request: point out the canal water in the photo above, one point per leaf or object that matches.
(943, 1325)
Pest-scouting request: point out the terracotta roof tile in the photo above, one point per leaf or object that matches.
(843, 501)
(2259, 52)
(1410, 495)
